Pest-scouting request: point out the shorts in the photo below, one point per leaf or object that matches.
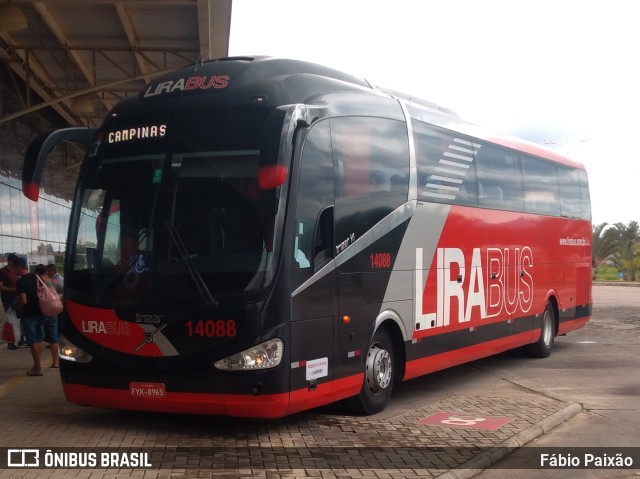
(51, 329)
(33, 329)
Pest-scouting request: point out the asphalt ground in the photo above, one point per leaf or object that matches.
(451, 424)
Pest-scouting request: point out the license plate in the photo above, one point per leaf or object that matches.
(147, 390)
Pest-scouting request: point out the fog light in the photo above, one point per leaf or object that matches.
(70, 352)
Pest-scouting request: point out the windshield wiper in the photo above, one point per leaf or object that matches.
(187, 259)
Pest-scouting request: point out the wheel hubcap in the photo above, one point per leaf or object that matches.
(378, 369)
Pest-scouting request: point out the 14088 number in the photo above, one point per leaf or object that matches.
(380, 260)
(210, 328)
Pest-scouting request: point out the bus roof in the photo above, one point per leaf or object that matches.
(272, 82)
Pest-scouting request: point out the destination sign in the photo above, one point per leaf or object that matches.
(139, 133)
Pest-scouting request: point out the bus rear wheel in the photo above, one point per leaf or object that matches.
(542, 348)
(379, 375)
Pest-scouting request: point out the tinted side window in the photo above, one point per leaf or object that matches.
(499, 179)
(584, 194)
(570, 199)
(540, 186)
(315, 192)
(371, 161)
(446, 167)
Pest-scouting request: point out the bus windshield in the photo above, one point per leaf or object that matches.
(173, 215)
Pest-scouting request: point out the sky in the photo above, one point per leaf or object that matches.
(560, 72)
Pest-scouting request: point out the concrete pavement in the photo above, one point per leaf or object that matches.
(454, 436)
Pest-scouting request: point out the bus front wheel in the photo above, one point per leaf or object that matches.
(542, 348)
(379, 375)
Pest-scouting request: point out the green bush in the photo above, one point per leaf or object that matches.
(607, 273)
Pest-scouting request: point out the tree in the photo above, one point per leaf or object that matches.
(627, 248)
(603, 244)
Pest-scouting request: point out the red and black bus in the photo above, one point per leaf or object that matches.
(256, 237)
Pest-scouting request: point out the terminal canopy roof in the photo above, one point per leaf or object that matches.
(82, 57)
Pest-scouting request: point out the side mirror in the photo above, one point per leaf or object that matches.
(40, 148)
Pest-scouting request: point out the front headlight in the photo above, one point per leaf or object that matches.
(70, 352)
(263, 356)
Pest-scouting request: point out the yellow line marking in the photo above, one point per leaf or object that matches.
(11, 384)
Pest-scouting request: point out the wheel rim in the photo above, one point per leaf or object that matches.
(378, 368)
(547, 334)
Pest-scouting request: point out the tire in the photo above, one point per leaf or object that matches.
(542, 348)
(379, 376)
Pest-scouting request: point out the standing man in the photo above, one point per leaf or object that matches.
(51, 322)
(56, 279)
(8, 280)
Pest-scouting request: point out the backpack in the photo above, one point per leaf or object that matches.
(50, 302)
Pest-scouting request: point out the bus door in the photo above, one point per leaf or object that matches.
(313, 308)
(371, 168)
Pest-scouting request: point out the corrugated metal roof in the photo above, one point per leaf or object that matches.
(81, 57)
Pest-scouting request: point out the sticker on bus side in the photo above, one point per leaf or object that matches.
(317, 368)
